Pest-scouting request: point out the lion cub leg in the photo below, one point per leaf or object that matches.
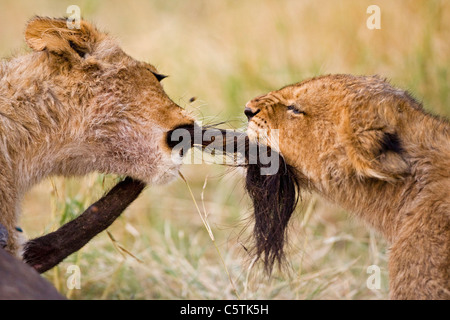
(419, 262)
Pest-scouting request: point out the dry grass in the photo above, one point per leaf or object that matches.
(224, 53)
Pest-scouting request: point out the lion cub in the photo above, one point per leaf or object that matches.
(77, 104)
(372, 149)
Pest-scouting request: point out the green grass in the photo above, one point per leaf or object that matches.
(224, 53)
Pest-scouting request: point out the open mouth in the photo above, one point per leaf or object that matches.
(181, 138)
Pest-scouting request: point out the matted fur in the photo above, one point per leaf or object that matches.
(274, 200)
(372, 149)
(77, 104)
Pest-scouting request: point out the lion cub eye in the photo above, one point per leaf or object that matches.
(295, 110)
(158, 76)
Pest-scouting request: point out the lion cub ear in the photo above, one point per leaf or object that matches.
(55, 36)
(377, 153)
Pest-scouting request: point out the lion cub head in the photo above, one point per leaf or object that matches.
(333, 133)
(102, 110)
(333, 127)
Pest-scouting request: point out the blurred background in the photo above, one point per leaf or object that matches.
(223, 53)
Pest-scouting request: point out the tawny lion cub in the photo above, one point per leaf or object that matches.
(372, 149)
(75, 105)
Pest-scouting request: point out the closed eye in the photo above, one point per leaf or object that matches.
(158, 76)
(295, 110)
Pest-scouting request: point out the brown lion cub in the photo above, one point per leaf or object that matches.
(372, 149)
(77, 104)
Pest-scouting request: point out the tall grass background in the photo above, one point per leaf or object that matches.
(224, 53)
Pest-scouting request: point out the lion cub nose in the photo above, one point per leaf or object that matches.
(250, 113)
